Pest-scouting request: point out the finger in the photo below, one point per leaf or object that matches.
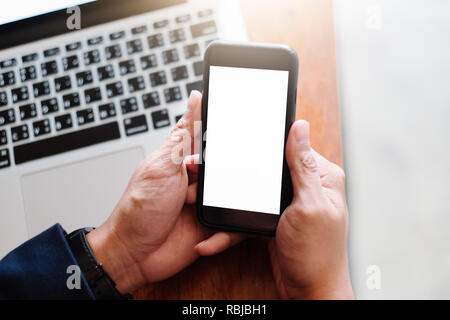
(302, 162)
(178, 144)
(219, 242)
(192, 168)
(191, 194)
(193, 112)
(192, 163)
(191, 116)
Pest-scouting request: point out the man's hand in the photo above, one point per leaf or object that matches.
(153, 230)
(309, 253)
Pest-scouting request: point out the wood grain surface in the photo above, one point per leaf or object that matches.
(244, 271)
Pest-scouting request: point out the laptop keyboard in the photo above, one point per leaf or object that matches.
(101, 88)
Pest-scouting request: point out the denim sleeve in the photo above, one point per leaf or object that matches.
(44, 267)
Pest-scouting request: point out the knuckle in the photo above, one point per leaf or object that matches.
(340, 173)
(304, 209)
(182, 123)
(180, 130)
(308, 161)
(337, 216)
(135, 199)
(310, 208)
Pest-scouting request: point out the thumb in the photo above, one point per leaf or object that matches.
(301, 161)
(180, 141)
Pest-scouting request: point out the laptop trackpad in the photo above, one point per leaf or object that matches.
(81, 194)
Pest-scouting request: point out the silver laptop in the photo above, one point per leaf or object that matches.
(80, 108)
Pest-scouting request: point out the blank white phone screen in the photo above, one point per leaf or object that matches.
(245, 138)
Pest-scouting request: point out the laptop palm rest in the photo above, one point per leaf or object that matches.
(82, 194)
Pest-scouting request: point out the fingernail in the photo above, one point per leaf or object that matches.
(302, 131)
(191, 96)
(194, 92)
(200, 243)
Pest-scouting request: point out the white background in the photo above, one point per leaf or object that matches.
(245, 138)
(394, 75)
(21, 9)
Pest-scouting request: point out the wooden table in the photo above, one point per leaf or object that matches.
(244, 271)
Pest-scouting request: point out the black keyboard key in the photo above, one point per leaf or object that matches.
(4, 159)
(106, 111)
(49, 68)
(51, 52)
(170, 56)
(92, 95)
(134, 46)
(30, 57)
(148, 62)
(19, 94)
(191, 50)
(71, 100)
(49, 106)
(117, 35)
(177, 35)
(158, 78)
(3, 98)
(205, 13)
(197, 85)
(135, 125)
(91, 57)
(127, 67)
(113, 52)
(73, 46)
(172, 94)
(70, 62)
(160, 119)
(84, 78)
(105, 72)
(94, 41)
(198, 68)
(27, 73)
(41, 127)
(136, 84)
(179, 73)
(28, 111)
(66, 142)
(151, 100)
(8, 63)
(161, 24)
(155, 41)
(203, 29)
(19, 133)
(177, 118)
(41, 89)
(128, 105)
(139, 29)
(63, 83)
(3, 137)
(85, 116)
(7, 79)
(63, 122)
(183, 18)
(7, 117)
(114, 89)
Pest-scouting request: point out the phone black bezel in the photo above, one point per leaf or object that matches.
(258, 56)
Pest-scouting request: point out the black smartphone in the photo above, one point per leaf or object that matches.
(248, 107)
